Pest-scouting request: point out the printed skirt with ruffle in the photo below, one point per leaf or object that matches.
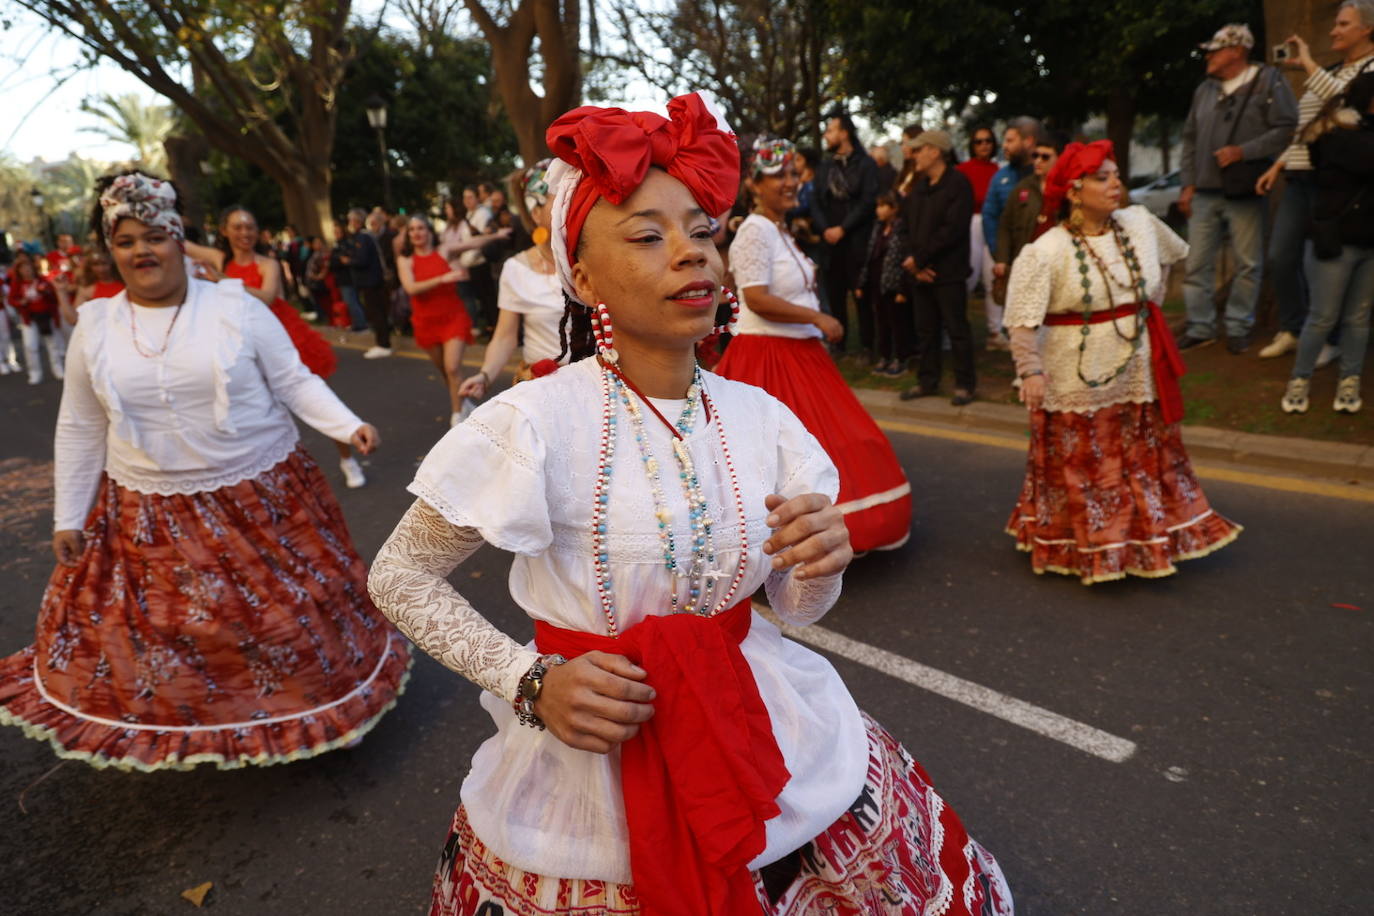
(230, 627)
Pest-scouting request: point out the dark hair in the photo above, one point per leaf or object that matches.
(888, 198)
(575, 339)
(810, 154)
(1053, 138)
(846, 120)
(973, 134)
(912, 131)
(97, 221)
(407, 249)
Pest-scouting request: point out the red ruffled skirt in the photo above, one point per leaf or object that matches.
(874, 493)
(315, 351)
(230, 627)
(1110, 494)
(899, 851)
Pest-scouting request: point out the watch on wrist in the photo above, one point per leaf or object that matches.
(1025, 375)
(531, 685)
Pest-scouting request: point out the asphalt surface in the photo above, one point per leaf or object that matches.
(1246, 688)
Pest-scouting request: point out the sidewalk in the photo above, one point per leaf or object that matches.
(1289, 454)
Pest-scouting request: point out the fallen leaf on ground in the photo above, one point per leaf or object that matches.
(477, 574)
(1345, 607)
(197, 894)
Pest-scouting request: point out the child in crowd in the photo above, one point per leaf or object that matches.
(881, 288)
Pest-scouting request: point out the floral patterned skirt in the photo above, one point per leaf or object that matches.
(230, 627)
(1110, 494)
(898, 851)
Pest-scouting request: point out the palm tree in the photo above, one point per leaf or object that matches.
(127, 119)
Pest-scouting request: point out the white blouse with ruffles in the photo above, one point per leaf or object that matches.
(539, 298)
(762, 254)
(1045, 279)
(212, 410)
(520, 473)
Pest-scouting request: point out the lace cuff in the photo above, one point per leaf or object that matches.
(751, 257)
(801, 602)
(408, 583)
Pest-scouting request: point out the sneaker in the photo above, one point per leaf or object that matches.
(896, 369)
(1237, 344)
(1189, 342)
(311, 316)
(1283, 342)
(353, 473)
(1348, 395)
(377, 353)
(4, 367)
(1295, 396)
(879, 368)
(917, 391)
(998, 342)
(1328, 355)
(35, 376)
(961, 397)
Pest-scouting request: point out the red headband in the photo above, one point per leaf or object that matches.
(614, 149)
(1077, 160)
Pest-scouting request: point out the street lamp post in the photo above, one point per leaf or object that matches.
(44, 221)
(376, 116)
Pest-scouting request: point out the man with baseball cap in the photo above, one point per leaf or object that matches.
(1242, 116)
(937, 212)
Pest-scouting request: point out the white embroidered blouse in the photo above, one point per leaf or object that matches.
(762, 254)
(520, 474)
(1045, 279)
(212, 410)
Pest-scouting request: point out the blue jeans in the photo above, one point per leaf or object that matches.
(1342, 291)
(1288, 246)
(357, 318)
(1244, 219)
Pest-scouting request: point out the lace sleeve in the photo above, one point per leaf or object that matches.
(408, 583)
(1029, 288)
(801, 602)
(751, 257)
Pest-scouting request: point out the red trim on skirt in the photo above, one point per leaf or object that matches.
(898, 851)
(1112, 493)
(874, 491)
(231, 627)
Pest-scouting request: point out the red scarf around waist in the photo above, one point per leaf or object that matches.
(703, 775)
(1165, 360)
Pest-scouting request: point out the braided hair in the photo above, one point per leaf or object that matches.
(575, 331)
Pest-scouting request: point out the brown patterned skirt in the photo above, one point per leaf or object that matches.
(230, 627)
(1111, 493)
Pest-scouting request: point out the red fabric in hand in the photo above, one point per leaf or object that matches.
(703, 775)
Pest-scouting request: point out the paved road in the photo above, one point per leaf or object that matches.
(1245, 691)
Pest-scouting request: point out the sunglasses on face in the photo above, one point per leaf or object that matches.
(1043, 156)
(978, 140)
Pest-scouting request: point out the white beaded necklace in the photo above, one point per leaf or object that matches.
(701, 571)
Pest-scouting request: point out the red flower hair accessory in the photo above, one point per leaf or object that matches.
(606, 152)
(1077, 160)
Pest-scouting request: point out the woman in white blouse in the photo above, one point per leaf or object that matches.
(1109, 491)
(688, 760)
(530, 299)
(207, 605)
(778, 347)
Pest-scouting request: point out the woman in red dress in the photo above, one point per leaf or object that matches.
(95, 279)
(35, 299)
(441, 322)
(262, 279)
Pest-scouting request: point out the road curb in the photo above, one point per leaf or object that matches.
(1309, 457)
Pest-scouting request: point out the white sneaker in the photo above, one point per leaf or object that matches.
(311, 316)
(377, 353)
(1327, 356)
(35, 376)
(1348, 395)
(353, 473)
(1295, 398)
(1283, 342)
(4, 367)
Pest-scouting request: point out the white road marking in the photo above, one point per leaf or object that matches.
(984, 699)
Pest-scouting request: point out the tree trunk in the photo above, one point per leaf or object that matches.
(306, 200)
(1120, 127)
(185, 153)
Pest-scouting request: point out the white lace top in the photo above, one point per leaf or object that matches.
(763, 255)
(1045, 278)
(520, 474)
(210, 411)
(539, 298)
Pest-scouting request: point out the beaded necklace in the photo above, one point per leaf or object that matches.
(1082, 252)
(692, 580)
(166, 338)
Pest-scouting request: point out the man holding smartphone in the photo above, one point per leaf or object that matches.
(1242, 116)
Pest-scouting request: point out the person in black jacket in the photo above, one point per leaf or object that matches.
(937, 215)
(1340, 141)
(842, 212)
(363, 257)
(881, 288)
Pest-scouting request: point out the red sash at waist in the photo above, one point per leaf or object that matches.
(702, 776)
(1165, 361)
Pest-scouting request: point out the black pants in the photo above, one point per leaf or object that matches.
(943, 307)
(842, 269)
(893, 329)
(377, 307)
(484, 286)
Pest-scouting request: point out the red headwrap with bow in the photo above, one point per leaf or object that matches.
(1077, 160)
(614, 149)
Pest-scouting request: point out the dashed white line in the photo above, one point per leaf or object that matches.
(1042, 721)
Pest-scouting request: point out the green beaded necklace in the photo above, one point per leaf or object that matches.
(1082, 252)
